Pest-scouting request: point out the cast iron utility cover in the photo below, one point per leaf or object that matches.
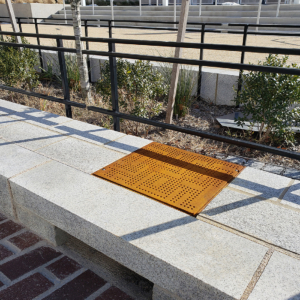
(185, 180)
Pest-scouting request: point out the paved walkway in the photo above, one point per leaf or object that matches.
(155, 35)
(30, 268)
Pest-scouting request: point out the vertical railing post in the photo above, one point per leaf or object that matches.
(200, 67)
(87, 48)
(20, 25)
(242, 58)
(39, 43)
(113, 80)
(64, 78)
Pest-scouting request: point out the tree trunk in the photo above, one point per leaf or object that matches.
(175, 71)
(13, 19)
(81, 59)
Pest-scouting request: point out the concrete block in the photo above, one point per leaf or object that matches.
(280, 279)
(162, 294)
(209, 86)
(292, 173)
(14, 160)
(6, 121)
(41, 227)
(225, 89)
(273, 169)
(254, 164)
(30, 136)
(260, 183)
(128, 144)
(12, 108)
(292, 196)
(263, 219)
(81, 155)
(31, 115)
(88, 132)
(191, 258)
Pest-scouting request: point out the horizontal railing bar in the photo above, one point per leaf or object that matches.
(203, 134)
(223, 47)
(38, 95)
(204, 63)
(170, 22)
(264, 33)
(265, 25)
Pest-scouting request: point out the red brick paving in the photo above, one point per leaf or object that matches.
(4, 252)
(63, 267)
(9, 228)
(79, 288)
(27, 289)
(113, 293)
(21, 265)
(25, 240)
(33, 282)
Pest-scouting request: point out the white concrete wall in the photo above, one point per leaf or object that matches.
(31, 10)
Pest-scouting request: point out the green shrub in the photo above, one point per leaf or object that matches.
(268, 99)
(17, 65)
(140, 87)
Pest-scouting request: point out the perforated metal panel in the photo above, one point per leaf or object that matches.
(185, 180)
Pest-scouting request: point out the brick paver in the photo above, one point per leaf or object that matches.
(63, 267)
(79, 288)
(27, 261)
(27, 289)
(25, 240)
(113, 293)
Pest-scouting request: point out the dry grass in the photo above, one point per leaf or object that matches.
(201, 116)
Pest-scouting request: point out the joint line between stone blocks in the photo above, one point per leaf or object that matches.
(257, 274)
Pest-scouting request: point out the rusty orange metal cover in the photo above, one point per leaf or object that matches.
(182, 179)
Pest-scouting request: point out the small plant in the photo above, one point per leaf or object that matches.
(184, 97)
(17, 66)
(185, 87)
(140, 87)
(270, 99)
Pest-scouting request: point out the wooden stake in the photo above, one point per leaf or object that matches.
(178, 51)
(13, 19)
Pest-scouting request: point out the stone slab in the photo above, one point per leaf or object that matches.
(30, 136)
(81, 155)
(236, 160)
(230, 119)
(292, 173)
(193, 259)
(12, 108)
(40, 226)
(264, 219)
(260, 183)
(280, 279)
(273, 169)
(5, 120)
(14, 160)
(128, 144)
(292, 196)
(254, 164)
(88, 132)
(162, 294)
(31, 115)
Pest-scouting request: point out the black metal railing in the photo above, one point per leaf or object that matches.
(112, 55)
(203, 28)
